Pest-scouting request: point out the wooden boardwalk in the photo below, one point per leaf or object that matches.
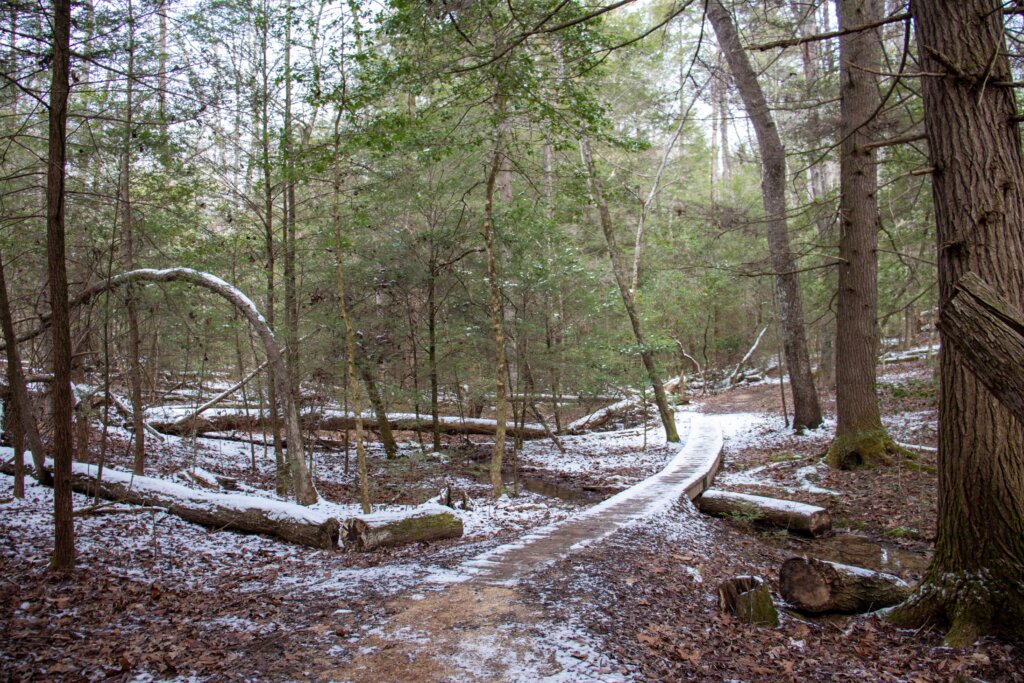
(689, 473)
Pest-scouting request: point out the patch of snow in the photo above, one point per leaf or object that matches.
(770, 503)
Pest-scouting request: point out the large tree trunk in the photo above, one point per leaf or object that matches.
(785, 514)
(392, 529)
(975, 584)
(860, 438)
(61, 396)
(339, 422)
(628, 297)
(806, 410)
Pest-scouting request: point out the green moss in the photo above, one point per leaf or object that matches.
(869, 448)
(418, 526)
(745, 514)
(785, 457)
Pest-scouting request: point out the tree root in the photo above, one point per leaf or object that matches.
(865, 449)
(966, 606)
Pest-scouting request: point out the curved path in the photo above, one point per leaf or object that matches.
(688, 473)
(482, 630)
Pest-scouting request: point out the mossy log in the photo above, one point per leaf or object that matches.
(748, 598)
(786, 514)
(817, 587)
(392, 529)
(287, 521)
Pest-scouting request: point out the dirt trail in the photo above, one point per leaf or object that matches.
(482, 630)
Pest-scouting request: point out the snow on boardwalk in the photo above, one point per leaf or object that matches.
(688, 473)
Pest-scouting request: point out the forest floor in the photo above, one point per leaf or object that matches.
(157, 598)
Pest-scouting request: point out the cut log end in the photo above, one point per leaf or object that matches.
(817, 587)
(369, 532)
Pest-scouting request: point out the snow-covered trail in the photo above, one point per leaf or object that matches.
(688, 473)
(482, 629)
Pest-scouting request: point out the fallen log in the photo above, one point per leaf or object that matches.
(602, 416)
(816, 586)
(391, 529)
(735, 376)
(787, 514)
(747, 598)
(228, 421)
(287, 521)
(199, 477)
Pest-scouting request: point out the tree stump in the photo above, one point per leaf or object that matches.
(453, 498)
(748, 598)
(817, 587)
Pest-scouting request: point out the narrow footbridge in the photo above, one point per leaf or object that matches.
(689, 474)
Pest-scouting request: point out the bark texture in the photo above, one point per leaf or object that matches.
(817, 587)
(975, 584)
(61, 396)
(861, 440)
(806, 409)
(387, 530)
(989, 334)
(748, 598)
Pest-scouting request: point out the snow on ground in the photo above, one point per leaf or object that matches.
(909, 354)
(761, 430)
(603, 454)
